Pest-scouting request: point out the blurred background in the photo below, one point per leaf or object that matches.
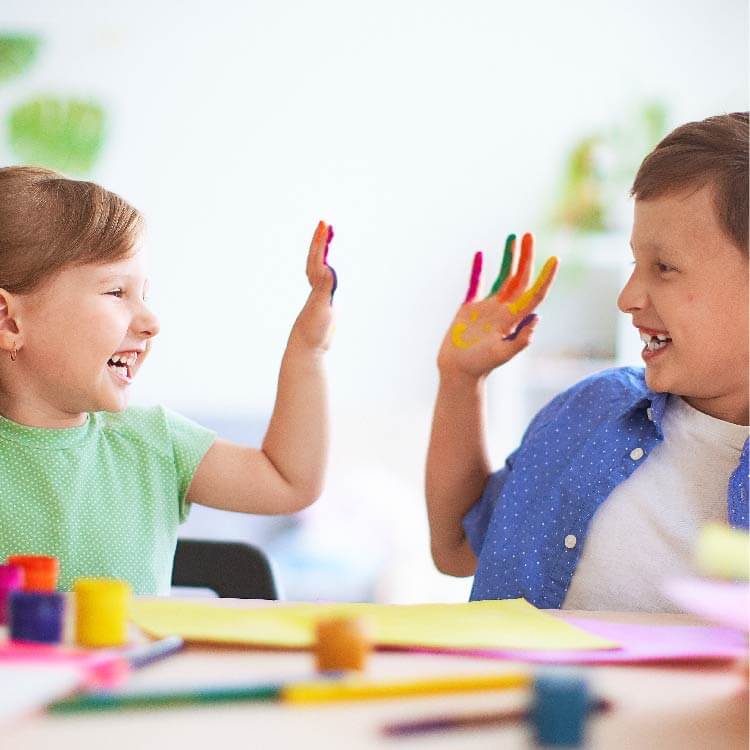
(423, 131)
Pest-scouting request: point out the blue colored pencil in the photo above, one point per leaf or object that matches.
(140, 656)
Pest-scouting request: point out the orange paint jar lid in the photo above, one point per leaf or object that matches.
(40, 571)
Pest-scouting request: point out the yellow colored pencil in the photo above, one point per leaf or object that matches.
(360, 689)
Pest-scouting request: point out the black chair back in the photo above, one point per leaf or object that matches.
(230, 569)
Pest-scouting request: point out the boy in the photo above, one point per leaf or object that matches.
(613, 479)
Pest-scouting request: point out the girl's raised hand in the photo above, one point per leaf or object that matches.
(486, 333)
(315, 322)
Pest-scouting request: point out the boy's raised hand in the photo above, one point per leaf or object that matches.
(486, 333)
(314, 324)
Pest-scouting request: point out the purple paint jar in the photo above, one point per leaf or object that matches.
(35, 616)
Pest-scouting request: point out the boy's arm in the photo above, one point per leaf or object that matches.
(484, 334)
(286, 474)
(457, 470)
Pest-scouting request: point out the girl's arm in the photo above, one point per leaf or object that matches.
(287, 473)
(484, 334)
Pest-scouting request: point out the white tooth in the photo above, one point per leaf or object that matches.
(645, 338)
(661, 337)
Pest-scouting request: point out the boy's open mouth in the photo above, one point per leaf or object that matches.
(654, 342)
(122, 364)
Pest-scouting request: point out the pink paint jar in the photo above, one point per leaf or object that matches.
(11, 579)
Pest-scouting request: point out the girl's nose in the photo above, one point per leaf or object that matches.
(148, 324)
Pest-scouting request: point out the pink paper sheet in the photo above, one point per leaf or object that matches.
(719, 601)
(640, 644)
(648, 643)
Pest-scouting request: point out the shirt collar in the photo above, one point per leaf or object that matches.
(650, 404)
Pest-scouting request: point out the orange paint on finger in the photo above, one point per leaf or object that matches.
(526, 259)
(320, 234)
(525, 299)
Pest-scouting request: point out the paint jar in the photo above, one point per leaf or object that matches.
(559, 709)
(40, 571)
(101, 612)
(11, 579)
(342, 644)
(35, 616)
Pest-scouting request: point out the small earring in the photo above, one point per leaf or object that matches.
(13, 354)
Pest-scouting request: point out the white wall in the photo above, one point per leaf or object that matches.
(422, 130)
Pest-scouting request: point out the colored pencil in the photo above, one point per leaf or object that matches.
(148, 653)
(106, 701)
(471, 721)
(328, 688)
(358, 689)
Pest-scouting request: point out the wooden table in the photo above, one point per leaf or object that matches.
(661, 707)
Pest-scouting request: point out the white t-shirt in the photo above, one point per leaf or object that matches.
(646, 530)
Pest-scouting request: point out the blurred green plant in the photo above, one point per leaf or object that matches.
(50, 131)
(600, 167)
(17, 53)
(64, 134)
(581, 201)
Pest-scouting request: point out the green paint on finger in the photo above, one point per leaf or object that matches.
(505, 266)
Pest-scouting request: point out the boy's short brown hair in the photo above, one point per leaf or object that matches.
(711, 151)
(49, 222)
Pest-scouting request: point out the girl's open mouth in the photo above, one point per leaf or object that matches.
(121, 366)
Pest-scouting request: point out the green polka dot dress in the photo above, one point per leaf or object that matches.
(105, 498)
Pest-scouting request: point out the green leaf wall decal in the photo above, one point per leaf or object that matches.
(17, 53)
(64, 134)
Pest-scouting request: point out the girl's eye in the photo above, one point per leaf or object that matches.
(664, 268)
(116, 293)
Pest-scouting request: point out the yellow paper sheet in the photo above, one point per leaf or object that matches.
(492, 625)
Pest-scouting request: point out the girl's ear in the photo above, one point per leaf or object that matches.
(10, 333)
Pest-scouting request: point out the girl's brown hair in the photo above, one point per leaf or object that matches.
(711, 151)
(49, 222)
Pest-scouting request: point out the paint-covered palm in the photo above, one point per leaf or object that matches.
(486, 333)
(314, 324)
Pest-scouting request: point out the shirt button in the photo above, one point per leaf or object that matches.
(650, 413)
(636, 453)
(570, 541)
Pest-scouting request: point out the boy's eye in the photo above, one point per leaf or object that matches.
(664, 267)
(116, 293)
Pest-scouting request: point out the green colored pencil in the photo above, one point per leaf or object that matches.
(104, 701)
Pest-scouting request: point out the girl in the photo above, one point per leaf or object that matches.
(83, 477)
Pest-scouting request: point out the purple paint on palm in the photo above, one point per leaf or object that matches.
(325, 261)
(528, 319)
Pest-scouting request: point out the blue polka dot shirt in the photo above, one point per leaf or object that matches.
(528, 528)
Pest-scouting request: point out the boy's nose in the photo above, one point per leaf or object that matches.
(633, 296)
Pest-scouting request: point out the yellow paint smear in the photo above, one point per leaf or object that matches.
(525, 299)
